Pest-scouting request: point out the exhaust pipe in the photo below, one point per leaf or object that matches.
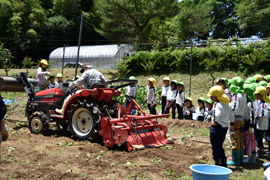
(11, 84)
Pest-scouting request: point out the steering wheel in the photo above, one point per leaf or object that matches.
(68, 80)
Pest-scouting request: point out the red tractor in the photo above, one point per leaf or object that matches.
(91, 112)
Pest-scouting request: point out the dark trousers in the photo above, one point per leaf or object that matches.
(217, 137)
(163, 104)
(152, 109)
(267, 132)
(167, 110)
(127, 103)
(180, 111)
(259, 135)
(187, 116)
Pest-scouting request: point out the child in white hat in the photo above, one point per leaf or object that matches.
(219, 124)
(165, 88)
(151, 95)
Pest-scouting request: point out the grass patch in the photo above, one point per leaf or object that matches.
(202, 132)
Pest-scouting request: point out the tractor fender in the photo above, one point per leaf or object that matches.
(85, 94)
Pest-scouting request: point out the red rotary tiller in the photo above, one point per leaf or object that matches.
(136, 132)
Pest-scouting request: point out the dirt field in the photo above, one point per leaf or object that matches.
(29, 156)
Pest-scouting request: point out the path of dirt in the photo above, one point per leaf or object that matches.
(29, 156)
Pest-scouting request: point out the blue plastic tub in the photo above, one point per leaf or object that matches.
(209, 172)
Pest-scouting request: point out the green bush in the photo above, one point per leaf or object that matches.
(178, 61)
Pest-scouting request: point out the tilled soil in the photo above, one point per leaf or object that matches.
(57, 156)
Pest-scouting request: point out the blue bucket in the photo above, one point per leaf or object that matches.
(209, 172)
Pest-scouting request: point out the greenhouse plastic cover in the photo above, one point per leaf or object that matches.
(101, 57)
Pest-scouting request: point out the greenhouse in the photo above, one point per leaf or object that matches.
(100, 57)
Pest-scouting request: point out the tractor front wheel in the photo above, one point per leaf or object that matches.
(36, 122)
(82, 121)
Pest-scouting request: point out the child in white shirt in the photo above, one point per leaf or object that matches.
(131, 91)
(188, 108)
(180, 99)
(261, 117)
(209, 110)
(171, 95)
(223, 82)
(53, 83)
(151, 96)
(165, 88)
(200, 110)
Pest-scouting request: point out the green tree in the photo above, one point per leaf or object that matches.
(193, 20)
(28, 63)
(148, 66)
(122, 68)
(132, 20)
(225, 20)
(5, 59)
(253, 17)
(255, 59)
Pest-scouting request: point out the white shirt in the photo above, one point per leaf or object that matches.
(171, 95)
(150, 95)
(238, 106)
(89, 76)
(165, 90)
(222, 114)
(228, 93)
(180, 98)
(199, 110)
(268, 105)
(262, 117)
(53, 85)
(210, 112)
(131, 91)
(191, 109)
(250, 112)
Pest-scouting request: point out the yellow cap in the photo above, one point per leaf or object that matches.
(190, 99)
(263, 91)
(152, 80)
(268, 85)
(166, 78)
(218, 92)
(44, 61)
(258, 77)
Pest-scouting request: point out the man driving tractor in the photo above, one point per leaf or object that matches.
(88, 77)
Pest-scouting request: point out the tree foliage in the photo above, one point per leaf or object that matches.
(133, 20)
(253, 17)
(34, 28)
(193, 19)
(6, 57)
(255, 59)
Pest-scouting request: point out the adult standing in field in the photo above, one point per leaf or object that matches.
(41, 72)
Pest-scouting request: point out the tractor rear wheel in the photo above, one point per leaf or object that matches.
(36, 122)
(82, 120)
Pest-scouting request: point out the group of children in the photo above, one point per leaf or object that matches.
(53, 83)
(42, 79)
(241, 107)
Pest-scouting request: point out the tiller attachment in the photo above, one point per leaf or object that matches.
(137, 132)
